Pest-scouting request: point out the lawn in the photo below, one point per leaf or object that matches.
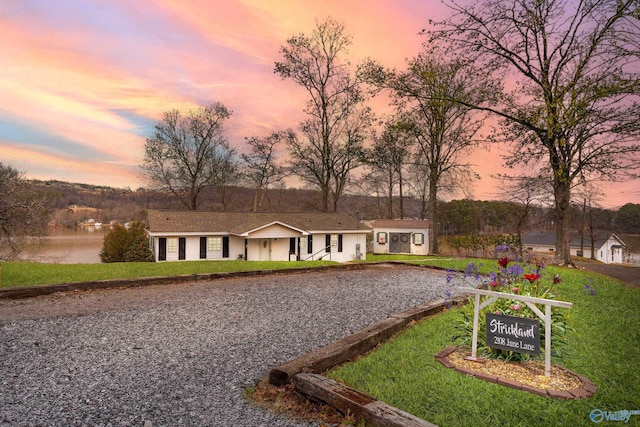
(14, 274)
(603, 347)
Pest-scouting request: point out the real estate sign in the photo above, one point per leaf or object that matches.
(512, 333)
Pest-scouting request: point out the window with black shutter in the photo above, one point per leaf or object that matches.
(182, 248)
(225, 247)
(162, 249)
(203, 248)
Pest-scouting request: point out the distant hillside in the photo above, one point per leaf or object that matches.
(105, 204)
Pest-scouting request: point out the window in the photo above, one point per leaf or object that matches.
(303, 244)
(215, 244)
(382, 238)
(418, 239)
(334, 240)
(172, 245)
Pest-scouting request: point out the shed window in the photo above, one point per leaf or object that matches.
(172, 245)
(382, 238)
(418, 239)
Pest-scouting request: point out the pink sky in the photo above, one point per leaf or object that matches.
(83, 82)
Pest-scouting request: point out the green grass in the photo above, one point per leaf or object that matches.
(603, 347)
(14, 274)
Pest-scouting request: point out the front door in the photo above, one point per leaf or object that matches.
(265, 250)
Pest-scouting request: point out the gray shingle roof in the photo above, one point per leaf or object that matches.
(159, 221)
(549, 239)
(401, 223)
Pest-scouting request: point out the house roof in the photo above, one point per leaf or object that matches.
(401, 223)
(159, 221)
(549, 239)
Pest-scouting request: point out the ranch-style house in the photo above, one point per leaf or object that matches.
(255, 236)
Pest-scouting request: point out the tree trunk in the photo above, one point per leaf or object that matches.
(390, 196)
(401, 195)
(562, 193)
(325, 199)
(433, 216)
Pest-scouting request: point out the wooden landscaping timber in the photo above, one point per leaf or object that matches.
(350, 401)
(356, 344)
(338, 351)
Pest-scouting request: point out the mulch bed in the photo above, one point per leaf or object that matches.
(527, 376)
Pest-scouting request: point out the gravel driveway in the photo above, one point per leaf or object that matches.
(182, 355)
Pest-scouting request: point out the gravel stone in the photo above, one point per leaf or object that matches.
(184, 354)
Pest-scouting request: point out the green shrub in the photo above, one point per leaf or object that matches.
(126, 244)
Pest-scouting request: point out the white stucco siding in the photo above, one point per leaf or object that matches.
(264, 248)
(275, 231)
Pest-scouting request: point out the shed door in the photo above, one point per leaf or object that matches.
(400, 243)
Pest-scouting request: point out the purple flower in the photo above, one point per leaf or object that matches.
(515, 270)
(450, 274)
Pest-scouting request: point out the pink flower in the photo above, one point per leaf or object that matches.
(515, 290)
(516, 307)
(494, 284)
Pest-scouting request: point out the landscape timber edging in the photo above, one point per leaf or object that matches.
(39, 290)
(304, 371)
(349, 401)
(356, 344)
(588, 388)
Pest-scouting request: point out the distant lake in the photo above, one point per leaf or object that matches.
(80, 245)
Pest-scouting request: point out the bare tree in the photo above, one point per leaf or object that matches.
(261, 167)
(332, 136)
(388, 158)
(526, 192)
(566, 82)
(443, 128)
(188, 153)
(24, 213)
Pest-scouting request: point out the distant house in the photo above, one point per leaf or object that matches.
(608, 247)
(255, 236)
(400, 236)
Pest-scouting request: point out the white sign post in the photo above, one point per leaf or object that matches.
(530, 301)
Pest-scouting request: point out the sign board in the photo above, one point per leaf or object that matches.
(512, 333)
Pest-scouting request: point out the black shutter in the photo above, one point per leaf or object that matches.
(292, 245)
(162, 249)
(182, 248)
(309, 244)
(203, 248)
(327, 243)
(225, 247)
(339, 242)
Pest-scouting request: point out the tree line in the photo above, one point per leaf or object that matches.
(559, 78)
